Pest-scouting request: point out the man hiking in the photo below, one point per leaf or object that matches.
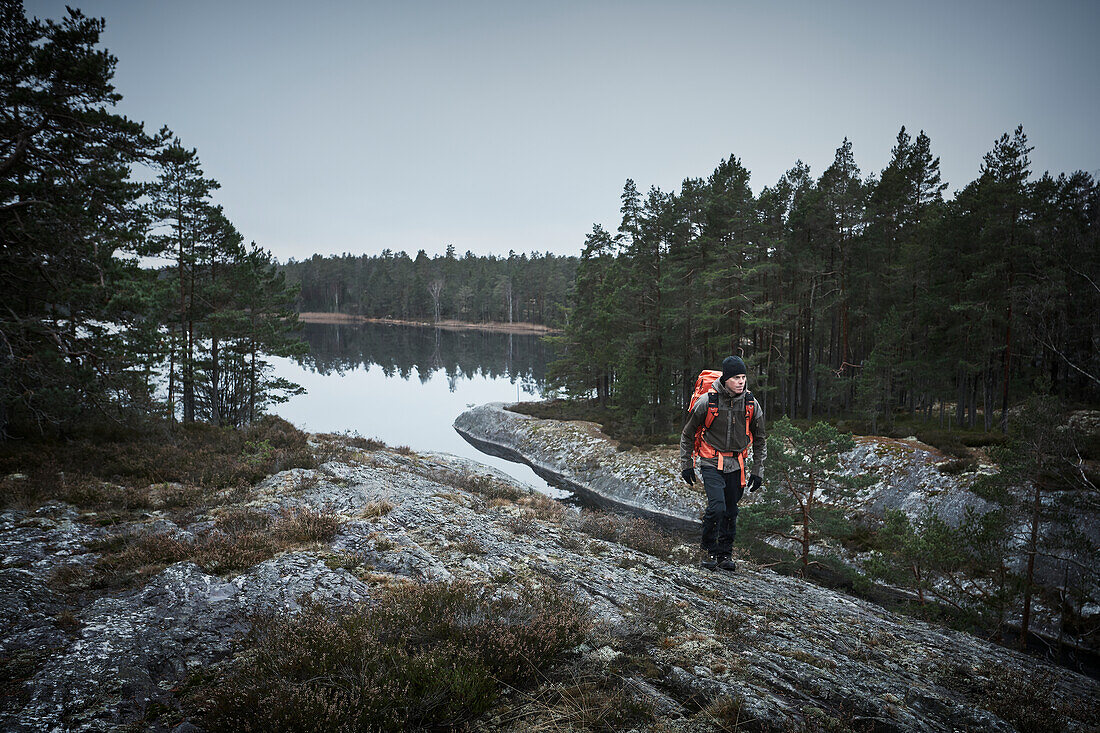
(724, 420)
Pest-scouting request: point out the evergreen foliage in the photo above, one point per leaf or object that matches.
(847, 295)
(508, 289)
(804, 469)
(85, 330)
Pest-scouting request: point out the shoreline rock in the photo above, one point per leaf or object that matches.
(518, 328)
(577, 455)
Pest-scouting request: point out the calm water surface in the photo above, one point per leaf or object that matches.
(406, 385)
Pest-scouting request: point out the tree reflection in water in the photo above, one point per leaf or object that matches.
(400, 349)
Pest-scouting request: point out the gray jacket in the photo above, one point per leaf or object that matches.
(727, 433)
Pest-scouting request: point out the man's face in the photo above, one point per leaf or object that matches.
(736, 383)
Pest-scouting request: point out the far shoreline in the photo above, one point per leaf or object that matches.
(522, 327)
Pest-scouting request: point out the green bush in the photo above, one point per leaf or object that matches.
(980, 440)
(948, 442)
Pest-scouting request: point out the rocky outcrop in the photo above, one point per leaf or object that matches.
(907, 477)
(906, 474)
(785, 652)
(578, 455)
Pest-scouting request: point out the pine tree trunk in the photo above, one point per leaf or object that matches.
(1007, 358)
(215, 388)
(171, 381)
(806, 537)
(807, 400)
(189, 376)
(960, 405)
(1029, 576)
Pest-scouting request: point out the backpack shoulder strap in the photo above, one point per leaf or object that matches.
(712, 408)
(750, 410)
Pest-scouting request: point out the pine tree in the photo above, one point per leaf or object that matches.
(804, 466)
(180, 203)
(70, 228)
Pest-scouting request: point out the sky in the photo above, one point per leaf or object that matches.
(507, 125)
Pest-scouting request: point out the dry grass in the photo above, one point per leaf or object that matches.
(583, 703)
(544, 508)
(375, 509)
(724, 714)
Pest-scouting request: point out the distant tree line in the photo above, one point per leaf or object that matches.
(399, 350)
(847, 294)
(86, 331)
(508, 289)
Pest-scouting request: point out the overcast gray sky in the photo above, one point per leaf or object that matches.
(359, 126)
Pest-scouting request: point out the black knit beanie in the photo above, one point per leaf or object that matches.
(731, 366)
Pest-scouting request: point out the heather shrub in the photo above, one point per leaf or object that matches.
(240, 539)
(659, 615)
(115, 471)
(732, 624)
(487, 486)
(601, 525)
(422, 656)
(521, 524)
(635, 532)
(1029, 702)
(343, 446)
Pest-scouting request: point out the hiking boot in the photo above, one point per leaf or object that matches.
(709, 561)
(727, 564)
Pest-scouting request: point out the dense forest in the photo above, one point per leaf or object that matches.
(471, 288)
(89, 331)
(847, 295)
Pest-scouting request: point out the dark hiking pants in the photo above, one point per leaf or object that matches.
(720, 519)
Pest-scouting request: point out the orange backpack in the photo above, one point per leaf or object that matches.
(703, 385)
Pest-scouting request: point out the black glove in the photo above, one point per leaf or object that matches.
(689, 475)
(755, 482)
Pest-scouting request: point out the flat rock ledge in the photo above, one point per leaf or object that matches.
(795, 656)
(578, 455)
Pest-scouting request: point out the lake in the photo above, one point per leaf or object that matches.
(405, 385)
